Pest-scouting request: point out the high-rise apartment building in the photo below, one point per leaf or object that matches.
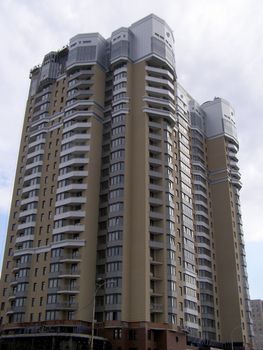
(124, 178)
(257, 317)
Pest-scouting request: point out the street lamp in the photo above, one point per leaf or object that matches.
(98, 286)
(231, 334)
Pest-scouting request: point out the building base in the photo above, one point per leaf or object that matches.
(112, 335)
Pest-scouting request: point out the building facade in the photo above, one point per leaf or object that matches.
(257, 317)
(123, 178)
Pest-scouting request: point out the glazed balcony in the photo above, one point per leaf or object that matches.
(156, 308)
(27, 212)
(74, 174)
(32, 176)
(160, 72)
(83, 74)
(71, 200)
(71, 214)
(73, 161)
(34, 164)
(25, 238)
(15, 309)
(76, 137)
(75, 149)
(72, 188)
(159, 92)
(29, 200)
(24, 225)
(30, 188)
(62, 306)
(77, 126)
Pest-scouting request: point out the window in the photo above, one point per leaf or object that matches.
(132, 334)
(116, 193)
(114, 266)
(117, 333)
(113, 299)
(119, 118)
(117, 167)
(116, 207)
(118, 130)
(116, 221)
(52, 299)
(53, 283)
(114, 251)
(54, 267)
(114, 236)
(117, 154)
(172, 286)
(113, 282)
(50, 315)
(113, 315)
(118, 142)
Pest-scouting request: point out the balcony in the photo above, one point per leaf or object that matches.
(68, 289)
(24, 251)
(158, 112)
(69, 229)
(155, 261)
(30, 188)
(67, 273)
(80, 104)
(156, 308)
(71, 200)
(154, 277)
(26, 225)
(78, 126)
(17, 280)
(27, 212)
(233, 165)
(81, 74)
(70, 258)
(155, 293)
(19, 266)
(75, 149)
(74, 161)
(69, 243)
(15, 309)
(160, 71)
(35, 153)
(32, 176)
(156, 229)
(156, 215)
(34, 164)
(156, 245)
(17, 294)
(159, 82)
(73, 174)
(232, 147)
(29, 200)
(36, 142)
(76, 137)
(22, 239)
(160, 102)
(159, 92)
(62, 306)
(155, 136)
(70, 214)
(72, 188)
(155, 201)
(155, 187)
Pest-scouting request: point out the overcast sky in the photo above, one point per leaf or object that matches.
(219, 52)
